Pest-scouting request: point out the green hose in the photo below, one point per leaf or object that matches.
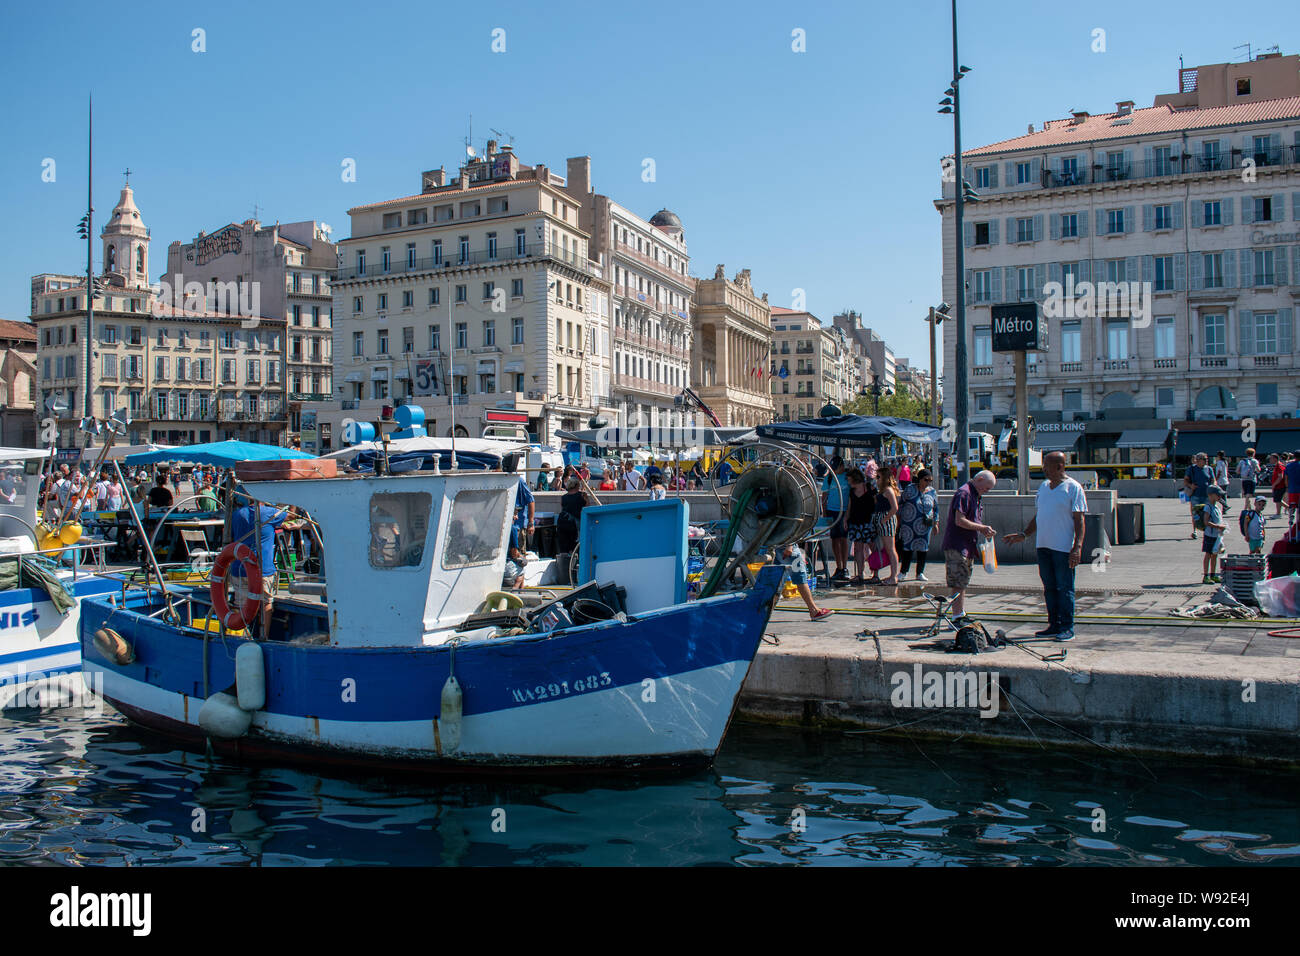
(733, 526)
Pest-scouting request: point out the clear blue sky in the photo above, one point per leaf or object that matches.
(816, 170)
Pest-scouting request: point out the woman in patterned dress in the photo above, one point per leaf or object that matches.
(887, 519)
(916, 519)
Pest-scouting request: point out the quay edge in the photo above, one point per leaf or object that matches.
(1138, 703)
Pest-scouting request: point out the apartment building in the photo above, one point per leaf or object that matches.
(810, 366)
(472, 294)
(17, 384)
(184, 373)
(650, 302)
(1187, 210)
(879, 354)
(280, 270)
(731, 358)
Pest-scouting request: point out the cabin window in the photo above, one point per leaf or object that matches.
(476, 527)
(399, 524)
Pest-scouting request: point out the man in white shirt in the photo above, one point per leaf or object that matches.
(1221, 472)
(1248, 471)
(631, 478)
(1058, 524)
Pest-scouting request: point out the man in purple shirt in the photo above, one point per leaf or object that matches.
(961, 537)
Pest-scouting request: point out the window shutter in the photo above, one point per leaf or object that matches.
(1085, 271)
(1148, 216)
(995, 284)
(1010, 171)
(1226, 208)
(1040, 279)
(1148, 269)
(1149, 160)
(1247, 267)
(1099, 270)
(1295, 206)
(993, 176)
(1055, 226)
(1009, 282)
(1012, 235)
(1180, 272)
(1198, 213)
(1284, 331)
(1229, 270)
(1246, 332)
(1056, 165)
(1279, 207)
(968, 234)
(1128, 162)
(1038, 227)
(1101, 222)
(1279, 265)
(993, 232)
(1131, 266)
(970, 284)
(1083, 223)
(1054, 272)
(1194, 270)
(1178, 215)
(1130, 218)
(1247, 209)
(1225, 152)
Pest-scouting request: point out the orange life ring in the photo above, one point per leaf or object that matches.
(252, 607)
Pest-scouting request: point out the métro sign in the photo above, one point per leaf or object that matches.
(1018, 328)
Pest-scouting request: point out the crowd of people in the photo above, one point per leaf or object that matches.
(68, 492)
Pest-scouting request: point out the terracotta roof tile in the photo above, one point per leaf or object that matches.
(1143, 122)
(17, 330)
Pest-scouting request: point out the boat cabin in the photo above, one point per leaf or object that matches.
(406, 557)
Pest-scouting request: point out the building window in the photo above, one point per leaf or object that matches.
(408, 340)
(1263, 267)
(254, 371)
(516, 331)
(1025, 283)
(1025, 229)
(434, 296)
(1116, 270)
(984, 286)
(1165, 397)
(487, 384)
(437, 252)
(408, 299)
(1071, 342)
(1263, 209)
(361, 262)
(1214, 338)
(462, 293)
(1266, 393)
(464, 248)
(435, 338)
(488, 289)
(1024, 173)
(462, 335)
(983, 350)
(1265, 333)
(489, 332)
(383, 341)
(382, 305)
(1212, 266)
(519, 242)
(356, 304)
(982, 179)
(386, 255)
(1164, 271)
(982, 234)
(1164, 336)
(492, 245)
(1070, 225)
(983, 401)
(1165, 213)
(1117, 340)
(358, 343)
(517, 288)
(1212, 213)
(410, 255)
(1114, 221)
(1072, 400)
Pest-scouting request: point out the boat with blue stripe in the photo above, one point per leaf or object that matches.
(406, 660)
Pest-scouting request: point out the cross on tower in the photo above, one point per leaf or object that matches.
(127, 174)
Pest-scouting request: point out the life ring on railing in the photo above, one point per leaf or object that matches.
(252, 606)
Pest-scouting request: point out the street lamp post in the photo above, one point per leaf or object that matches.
(937, 315)
(953, 106)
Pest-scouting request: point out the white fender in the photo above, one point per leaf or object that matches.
(449, 721)
(222, 717)
(250, 676)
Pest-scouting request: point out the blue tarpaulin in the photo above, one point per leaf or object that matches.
(223, 454)
(847, 431)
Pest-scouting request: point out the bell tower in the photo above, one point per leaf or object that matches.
(126, 243)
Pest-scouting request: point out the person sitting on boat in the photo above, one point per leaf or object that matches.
(513, 578)
(244, 529)
(159, 496)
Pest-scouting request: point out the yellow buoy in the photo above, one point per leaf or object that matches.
(70, 533)
(50, 544)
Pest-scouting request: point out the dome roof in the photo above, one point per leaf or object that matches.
(666, 219)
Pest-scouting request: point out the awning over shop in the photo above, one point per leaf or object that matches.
(1056, 441)
(1143, 438)
(354, 377)
(1271, 442)
(1229, 441)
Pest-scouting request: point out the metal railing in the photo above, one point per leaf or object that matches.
(1162, 167)
(538, 250)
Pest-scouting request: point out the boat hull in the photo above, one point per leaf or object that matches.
(657, 691)
(40, 649)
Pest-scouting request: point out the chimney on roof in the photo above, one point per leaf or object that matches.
(1031, 127)
(578, 176)
(491, 148)
(1078, 116)
(1124, 107)
(432, 179)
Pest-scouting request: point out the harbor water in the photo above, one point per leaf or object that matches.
(87, 790)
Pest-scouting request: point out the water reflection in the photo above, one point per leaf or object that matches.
(91, 792)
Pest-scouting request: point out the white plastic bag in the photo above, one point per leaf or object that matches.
(989, 551)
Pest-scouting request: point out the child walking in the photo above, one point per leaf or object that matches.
(1212, 543)
(796, 564)
(1251, 524)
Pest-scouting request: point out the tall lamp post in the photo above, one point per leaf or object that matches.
(951, 103)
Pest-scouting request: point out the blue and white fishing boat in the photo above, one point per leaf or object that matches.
(40, 649)
(402, 663)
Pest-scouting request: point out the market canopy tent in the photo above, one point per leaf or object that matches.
(223, 454)
(846, 431)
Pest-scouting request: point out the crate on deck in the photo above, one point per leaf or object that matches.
(1240, 572)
